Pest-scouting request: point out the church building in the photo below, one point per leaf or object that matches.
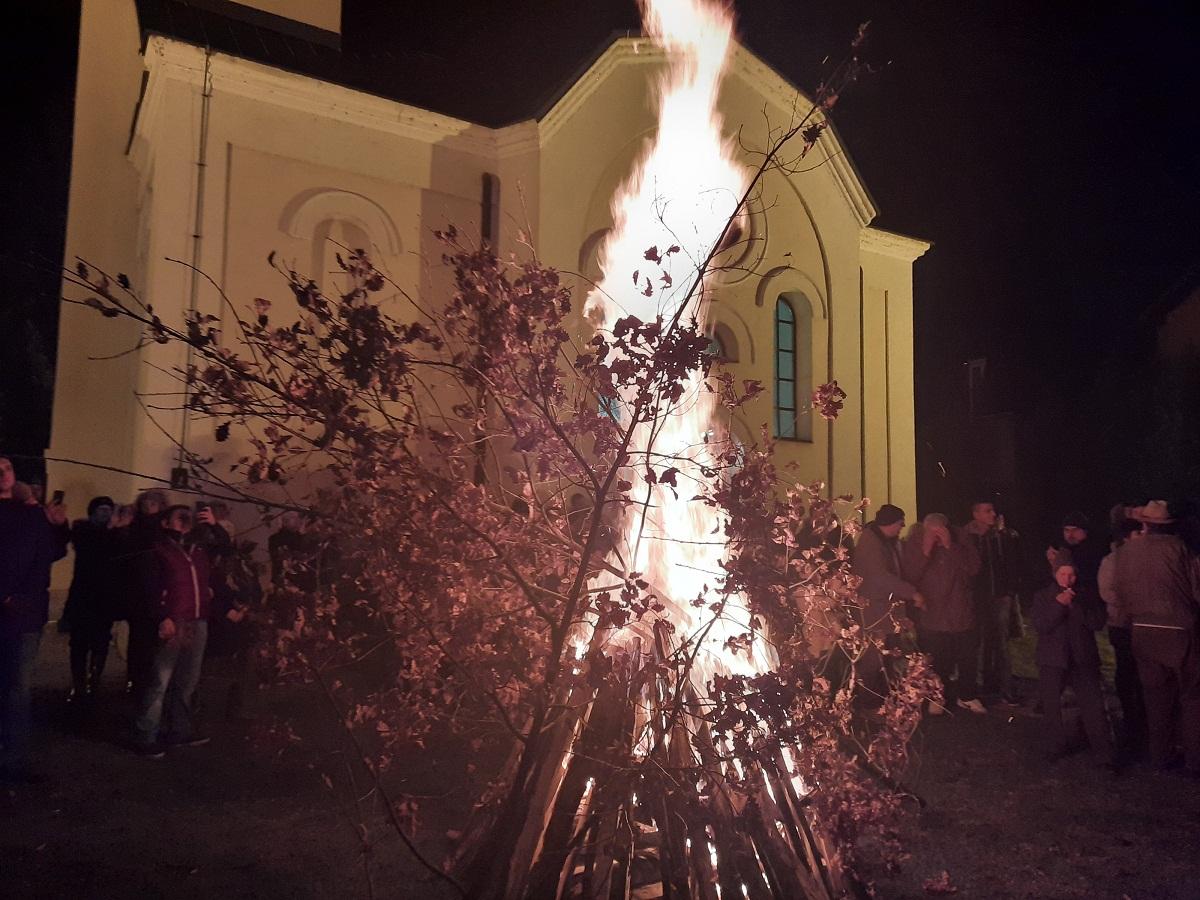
(209, 134)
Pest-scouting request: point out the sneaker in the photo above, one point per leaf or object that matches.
(973, 706)
(196, 740)
(149, 751)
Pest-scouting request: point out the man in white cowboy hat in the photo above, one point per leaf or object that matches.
(1158, 583)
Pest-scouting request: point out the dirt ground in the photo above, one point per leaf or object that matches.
(244, 817)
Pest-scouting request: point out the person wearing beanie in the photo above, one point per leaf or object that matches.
(88, 614)
(1075, 537)
(876, 559)
(1066, 616)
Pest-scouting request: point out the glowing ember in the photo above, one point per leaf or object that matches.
(681, 194)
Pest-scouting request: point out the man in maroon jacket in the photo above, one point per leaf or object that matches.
(177, 583)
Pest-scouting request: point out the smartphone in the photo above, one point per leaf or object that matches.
(57, 499)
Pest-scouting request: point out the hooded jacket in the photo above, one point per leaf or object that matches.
(944, 579)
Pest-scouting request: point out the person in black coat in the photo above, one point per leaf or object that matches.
(31, 539)
(1066, 617)
(137, 539)
(88, 615)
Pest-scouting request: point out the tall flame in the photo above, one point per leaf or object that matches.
(682, 193)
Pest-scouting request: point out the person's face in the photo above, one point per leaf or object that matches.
(1074, 535)
(984, 514)
(149, 506)
(8, 477)
(893, 530)
(180, 521)
(1065, 576)
(101, 514)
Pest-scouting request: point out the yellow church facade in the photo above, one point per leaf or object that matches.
(191, 166)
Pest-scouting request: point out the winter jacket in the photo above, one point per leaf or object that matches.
(1158, 581)
(134, 556)
(944, 579)
(93, 587)
(877, 561)
(177, 578)
(999, 563)
(1066, 634)
(1085, 557)
(29, 544)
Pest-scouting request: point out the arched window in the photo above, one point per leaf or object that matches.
(793, 367)
(722, 345)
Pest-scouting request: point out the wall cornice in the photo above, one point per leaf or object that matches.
(795, 105)
(171, 60)
(888, 243)
(622, 52)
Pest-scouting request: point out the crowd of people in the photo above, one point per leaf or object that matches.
(184, 583)
(968, 591)
(176, 574)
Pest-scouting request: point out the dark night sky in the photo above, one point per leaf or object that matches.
(1049, 150)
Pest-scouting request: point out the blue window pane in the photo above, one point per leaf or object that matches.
(785, 424)
(611, 407)
(783, 312)
(785, 364)
(785, 395)
(785, 336)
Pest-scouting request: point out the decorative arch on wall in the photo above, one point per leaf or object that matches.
(787, 280)
(308, 209)
(589, 254)
(744, 246)
(329, 219)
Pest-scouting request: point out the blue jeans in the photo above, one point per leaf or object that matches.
(172, 684)
(18, 653)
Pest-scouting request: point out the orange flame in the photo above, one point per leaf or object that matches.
(683, 192)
